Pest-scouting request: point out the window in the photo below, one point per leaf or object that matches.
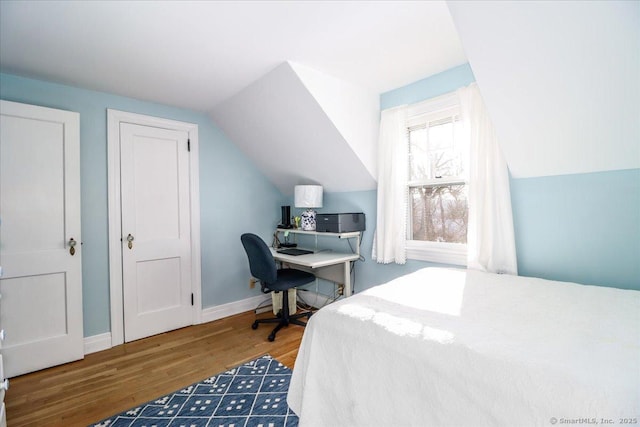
(437, 183)
(422, 196)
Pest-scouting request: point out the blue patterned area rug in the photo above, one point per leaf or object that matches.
(253, 394)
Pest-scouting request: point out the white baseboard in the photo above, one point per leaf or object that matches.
(97, 343)
(101, 342)
(210, 314)
(225, 310)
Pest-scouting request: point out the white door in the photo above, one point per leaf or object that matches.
(156, 243)
(40, 253)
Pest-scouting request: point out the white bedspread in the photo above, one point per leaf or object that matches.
(442, 347)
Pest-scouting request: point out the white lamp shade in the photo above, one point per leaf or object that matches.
(308, 196)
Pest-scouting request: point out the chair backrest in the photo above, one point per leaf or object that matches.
(261, 263)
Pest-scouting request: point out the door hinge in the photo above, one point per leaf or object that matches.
(191, 299)
(188, 145)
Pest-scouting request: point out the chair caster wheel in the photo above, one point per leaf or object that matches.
(254, 325)
(271, 337)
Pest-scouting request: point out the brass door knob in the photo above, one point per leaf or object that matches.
(130, 241)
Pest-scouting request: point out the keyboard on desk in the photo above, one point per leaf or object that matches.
(294, 251)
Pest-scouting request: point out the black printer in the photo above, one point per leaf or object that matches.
(340, 222)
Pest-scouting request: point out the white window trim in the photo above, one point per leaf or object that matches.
(437, 252)
(447, 180)
(433, 105)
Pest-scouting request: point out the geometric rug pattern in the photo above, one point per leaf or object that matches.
(250, 395)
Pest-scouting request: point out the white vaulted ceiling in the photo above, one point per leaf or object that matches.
(296, 83)
(196, 54)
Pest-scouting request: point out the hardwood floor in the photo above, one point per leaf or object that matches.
(111, 381)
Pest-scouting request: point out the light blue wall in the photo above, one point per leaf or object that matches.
(428, 88)
(580, 228)
(234, 197)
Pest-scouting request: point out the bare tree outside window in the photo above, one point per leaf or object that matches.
(439, 213)
(437, 189)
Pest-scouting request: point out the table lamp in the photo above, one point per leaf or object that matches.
(308, 196)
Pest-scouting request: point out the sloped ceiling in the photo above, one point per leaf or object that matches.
(561, 81)
(353, 110)
(281, 126)
(310, 120)
(196, 54)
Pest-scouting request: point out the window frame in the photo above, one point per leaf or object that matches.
(421, 114)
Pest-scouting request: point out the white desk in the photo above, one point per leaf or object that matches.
(326, 264)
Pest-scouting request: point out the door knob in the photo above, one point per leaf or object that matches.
(130, 241)
(72, 246)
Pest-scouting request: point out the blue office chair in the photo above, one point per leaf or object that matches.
(263, 268)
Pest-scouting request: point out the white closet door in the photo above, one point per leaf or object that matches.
(40, 252)
(156, 230)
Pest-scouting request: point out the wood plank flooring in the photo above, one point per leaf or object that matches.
(114, 380)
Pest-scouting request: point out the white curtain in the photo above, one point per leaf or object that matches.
(490, 236)
(393, 151)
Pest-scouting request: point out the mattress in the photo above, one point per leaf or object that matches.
(446, 347)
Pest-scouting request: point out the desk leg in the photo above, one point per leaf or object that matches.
(348, 291)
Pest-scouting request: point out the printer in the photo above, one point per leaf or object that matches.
(340, 222)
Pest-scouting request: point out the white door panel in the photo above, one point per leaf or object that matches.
(156, 264)
(31, 162)
(50, 322)
(155, 192)
(41, 284)
(156, 279)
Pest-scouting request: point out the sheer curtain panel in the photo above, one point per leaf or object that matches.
(391, 223)
(490, 236)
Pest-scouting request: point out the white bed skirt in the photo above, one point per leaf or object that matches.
(445, 347)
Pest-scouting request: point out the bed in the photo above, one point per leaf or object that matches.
(447, 347)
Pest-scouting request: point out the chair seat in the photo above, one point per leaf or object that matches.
(290, 278)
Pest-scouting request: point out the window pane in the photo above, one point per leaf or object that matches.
(418, 158)
(439, 213)
(434, 151)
